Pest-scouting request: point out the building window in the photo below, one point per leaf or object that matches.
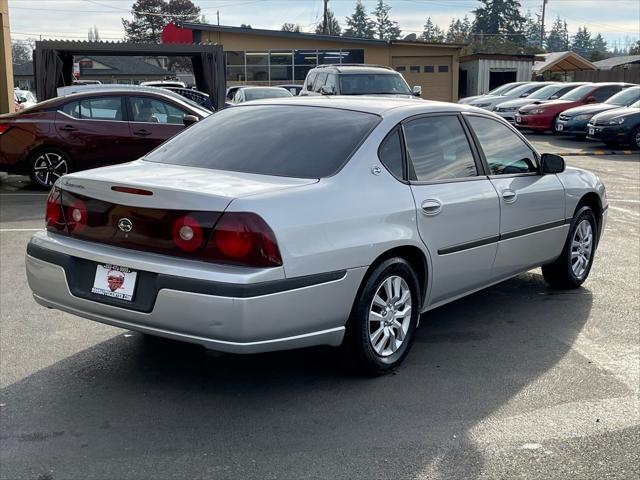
(235, 66)
(257, 66)
(281, 65)
(355, 55)
(329, 57)
(443, 68)
(401, 69)
(428, 69)
(304, 60)
(414, 69)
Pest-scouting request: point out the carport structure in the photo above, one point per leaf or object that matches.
(561, 62)
(53, 63)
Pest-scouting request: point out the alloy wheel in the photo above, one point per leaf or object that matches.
(581, 249)
(638, 139)
(390, 316)
(48, 167)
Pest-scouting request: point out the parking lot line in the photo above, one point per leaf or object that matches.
(19, 230)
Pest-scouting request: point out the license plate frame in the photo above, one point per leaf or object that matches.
(559, 127)
(592, 130)
(114, 281)
(518, 119)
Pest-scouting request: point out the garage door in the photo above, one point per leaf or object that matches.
(433, 74)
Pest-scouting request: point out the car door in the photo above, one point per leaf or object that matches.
(532, 221)
(94, 131)
(457, 207)
(152, 122)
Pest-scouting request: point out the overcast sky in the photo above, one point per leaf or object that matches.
(617, 20)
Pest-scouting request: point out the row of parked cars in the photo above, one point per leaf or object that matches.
(608, 112)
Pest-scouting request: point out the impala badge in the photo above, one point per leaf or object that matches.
(125, 225)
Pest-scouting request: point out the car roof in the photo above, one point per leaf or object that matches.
(375, 105)
(263, 88)
(364, 69)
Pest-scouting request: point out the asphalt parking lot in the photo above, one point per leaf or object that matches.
(518, 381)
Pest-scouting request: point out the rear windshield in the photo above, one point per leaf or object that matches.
(501, 90)
(258, 93)
(545, 92)
(369, 84)
(280, 140)
(577, 93)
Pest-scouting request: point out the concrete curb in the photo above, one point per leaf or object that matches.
(590, 153)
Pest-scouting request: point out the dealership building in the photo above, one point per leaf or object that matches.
(271, 57)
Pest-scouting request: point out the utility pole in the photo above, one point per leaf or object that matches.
(325, 26)
(544, 7)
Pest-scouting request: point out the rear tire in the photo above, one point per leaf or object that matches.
(47, 165)
(384, 317)
(634, 140)
(572, 267)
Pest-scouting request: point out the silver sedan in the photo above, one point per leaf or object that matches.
(289, 223)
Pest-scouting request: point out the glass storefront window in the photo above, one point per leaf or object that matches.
(235, 58)
(304, 60)
(281, 65)
(329, 56)
(353, 56)
(257, 66)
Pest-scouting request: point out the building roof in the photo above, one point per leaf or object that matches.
(561, 62)
(498, 56)
(307, 36)
(609, 63)
(121, 66)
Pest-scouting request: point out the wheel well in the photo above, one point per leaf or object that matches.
(411, 254)
(35, 151)
(592, 200)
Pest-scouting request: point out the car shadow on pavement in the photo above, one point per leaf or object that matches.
(139, 407)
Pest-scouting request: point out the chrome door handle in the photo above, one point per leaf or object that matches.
(142, 132)
(509, 196)
(431, 206)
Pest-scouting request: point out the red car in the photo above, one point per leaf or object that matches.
(90, 129)
(543, 117)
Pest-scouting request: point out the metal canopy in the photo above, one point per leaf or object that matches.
(53, 63)
(562, 62)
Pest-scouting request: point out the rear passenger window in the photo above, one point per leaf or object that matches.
(103, 108)
(438, 149)
(506, 153)
(390, 154)
(72, 109)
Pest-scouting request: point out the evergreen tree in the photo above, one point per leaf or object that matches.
(635, 49)
(93, 35)
(557, 40)
(581, 43)
(459, 31)
(467, 28)
(385, 28)
(599, 49)
(359, 24)
(533, 29)
(432, 33)
(290, 27)
(333, 27)
(498, 17)
(150, 17)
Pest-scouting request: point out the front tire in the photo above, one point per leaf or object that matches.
(47, 165)
(572, 267)
(634, 140)
(382, 324)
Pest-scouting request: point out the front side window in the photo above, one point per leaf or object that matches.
(577, 93)
(506, 153)
(72, 109)
(103, 108)
(438, 149)
(390, 154)
(301, 141)
(155, 111)
(322, 77)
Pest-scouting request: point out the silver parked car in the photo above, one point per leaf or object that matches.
(287, 223)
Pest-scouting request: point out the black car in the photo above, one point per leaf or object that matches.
(617, 127)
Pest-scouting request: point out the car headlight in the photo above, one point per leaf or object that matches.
(535, 111)
(480, 105)
(616, 121)
(583, 117)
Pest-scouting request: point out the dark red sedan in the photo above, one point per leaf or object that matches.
(542, 117)
(90, 129)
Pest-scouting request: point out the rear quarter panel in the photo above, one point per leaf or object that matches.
(28, 132)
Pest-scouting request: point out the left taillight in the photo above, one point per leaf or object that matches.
(54, 216)
(3, 128)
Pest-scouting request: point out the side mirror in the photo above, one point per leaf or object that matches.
(592, 99)
(189, 120)
(327, 90)
(550, 163)
(417, 91)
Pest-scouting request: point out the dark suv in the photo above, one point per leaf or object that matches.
(357, 79)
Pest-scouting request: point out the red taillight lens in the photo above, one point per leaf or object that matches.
(187, 234)
(3, 128)
(77, 215)
(243, 239)
(53, 217)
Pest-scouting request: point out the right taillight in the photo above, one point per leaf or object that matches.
(54, 217)
(242, 238)
(3, 128)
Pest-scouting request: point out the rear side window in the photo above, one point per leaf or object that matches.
(390, 154)
(438, 149)
(103, 108)
(301, 141)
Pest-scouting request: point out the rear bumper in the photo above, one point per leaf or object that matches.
(223, 316)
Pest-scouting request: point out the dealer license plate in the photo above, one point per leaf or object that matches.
(559, 127)
(592, 130)
(114, 281)
(518, 118)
